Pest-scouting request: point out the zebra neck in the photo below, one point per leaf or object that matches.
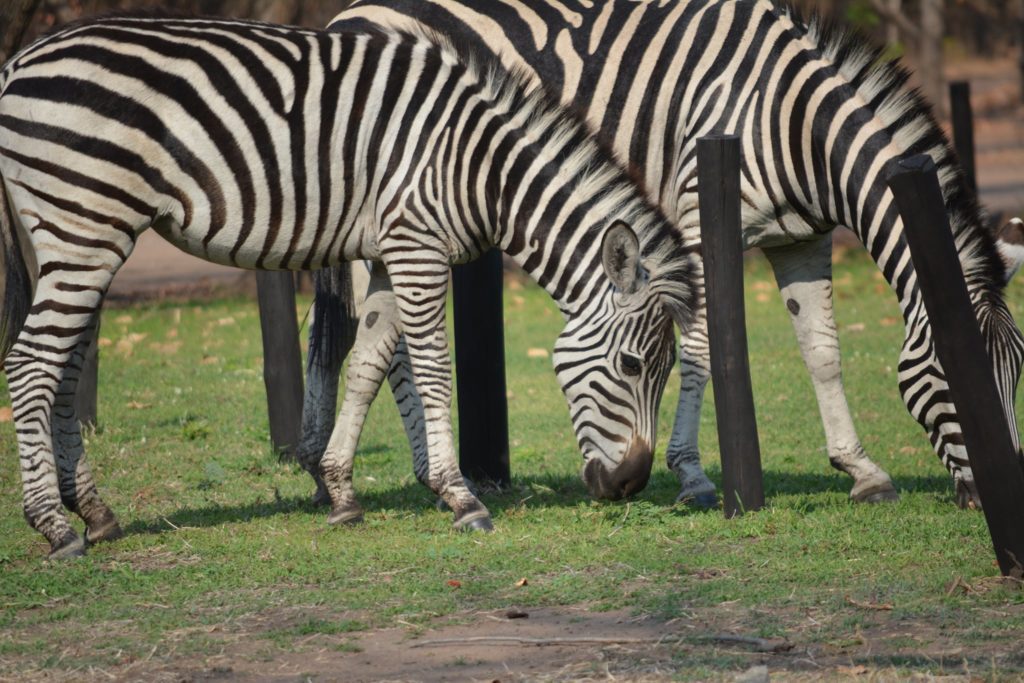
(565, 263)
(551, 223)
(879, 225)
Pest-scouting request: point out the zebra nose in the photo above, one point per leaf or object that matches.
(630, 476)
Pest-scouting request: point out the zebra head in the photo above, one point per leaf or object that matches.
(612, 361)
(1010, 244)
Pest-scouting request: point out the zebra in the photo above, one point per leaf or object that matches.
(270, 147)
(820, 114)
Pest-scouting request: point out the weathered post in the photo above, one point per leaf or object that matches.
(963, 129)
(480, 369)
(282, 357)
(998, 469)
(718, 186)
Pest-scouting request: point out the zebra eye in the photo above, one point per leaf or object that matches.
(630, 364)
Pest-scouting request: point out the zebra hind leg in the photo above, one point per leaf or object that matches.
(331, 335)
(376, 338)
(77, 489)
(35, 367)
(803, 272)
(683, 455)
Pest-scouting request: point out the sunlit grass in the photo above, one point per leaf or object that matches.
(220, 532)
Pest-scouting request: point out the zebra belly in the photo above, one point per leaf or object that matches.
(311, 249)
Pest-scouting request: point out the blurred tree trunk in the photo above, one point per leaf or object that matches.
(15, 17)
(892, 29)
(1020, 43)
(274, 11)
(928, 33)
(930, 54)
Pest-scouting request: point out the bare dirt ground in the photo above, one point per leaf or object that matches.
(573, 644)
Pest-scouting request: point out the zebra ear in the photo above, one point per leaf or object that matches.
(1010, 243)
(620, 255)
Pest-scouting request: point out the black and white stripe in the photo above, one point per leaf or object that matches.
(820, 115)
(277, 148)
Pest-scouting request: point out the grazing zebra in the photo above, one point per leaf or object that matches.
(820, 115)
(270, 147)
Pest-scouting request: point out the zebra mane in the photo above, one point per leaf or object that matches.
(910, 121)
(669, 263)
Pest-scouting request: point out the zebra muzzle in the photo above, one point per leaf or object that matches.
(629, 477)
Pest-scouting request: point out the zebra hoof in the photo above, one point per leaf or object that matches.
(479, 520)
(346, 515)
(967, 496)
(72, 545)
(878, 492)
(107, 529)
(707, 500)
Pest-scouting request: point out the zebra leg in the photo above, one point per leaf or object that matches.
(330, 340)
(927, 398)
(35, 367)
(420, 297)
(803, 272)
(403, 389)
(683, 455)
(376, 338)
(77, 489)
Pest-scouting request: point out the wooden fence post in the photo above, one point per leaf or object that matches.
(282, 357)
(718, 186)
(963, 130)
(480, 369)
(998, 468)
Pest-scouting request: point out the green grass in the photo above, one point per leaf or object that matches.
(220, 533)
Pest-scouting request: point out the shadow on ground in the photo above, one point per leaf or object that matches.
(542, 491)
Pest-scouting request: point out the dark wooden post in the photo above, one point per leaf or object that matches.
(480, 369)
(998, 469)
(282, 357)
(963, 129)
(88, 380)
(718, 176)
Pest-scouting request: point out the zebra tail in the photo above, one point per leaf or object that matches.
(17, 285)
(332, 331)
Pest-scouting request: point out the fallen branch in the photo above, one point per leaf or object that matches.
(959, 582)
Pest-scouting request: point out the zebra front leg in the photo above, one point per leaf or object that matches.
(420, 294)
(77, 489)
(803, 272)
(376, 339)
(683, 455)
(403, 388)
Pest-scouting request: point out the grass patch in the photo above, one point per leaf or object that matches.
(222, 538)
